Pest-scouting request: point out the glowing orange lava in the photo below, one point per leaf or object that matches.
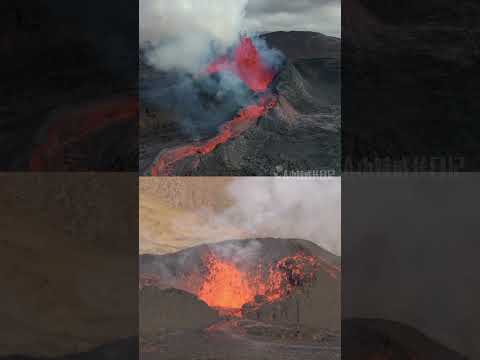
(226, 286)
(166, 162)
(247, 64)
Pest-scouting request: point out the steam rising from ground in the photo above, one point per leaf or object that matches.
(278, 207)
(183, 34)
(304, 208)
(181, 38)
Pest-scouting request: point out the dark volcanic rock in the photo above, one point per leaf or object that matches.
(297, 45)
(173, 266)
(244, 339)
(302, 133)
(316, 306)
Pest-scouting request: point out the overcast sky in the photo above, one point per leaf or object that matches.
(184, 31)
(322, 16)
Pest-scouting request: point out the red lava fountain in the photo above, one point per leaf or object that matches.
(246, 63)
(227, 286)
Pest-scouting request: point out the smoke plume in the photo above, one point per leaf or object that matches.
(183, 34)
(273, 207)
(180, 39)
(303, 208)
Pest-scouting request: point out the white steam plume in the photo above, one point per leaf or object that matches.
(305, 208)
(181, 34)
(302, 208)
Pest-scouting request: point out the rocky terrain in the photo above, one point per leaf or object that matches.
(172, 309)
(230, 341)
(301, 132)
(307, 324)
(317, 309)
(249, 251)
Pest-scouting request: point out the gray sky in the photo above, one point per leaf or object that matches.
(322, 16)
(184, 30)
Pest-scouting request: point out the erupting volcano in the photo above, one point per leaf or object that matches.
(217, 121)
(247, 116)
(243, 293)
(226, 286)
(247, 64)
(224, 281)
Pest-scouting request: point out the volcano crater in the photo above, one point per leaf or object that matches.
(246, 296)
(299, 129)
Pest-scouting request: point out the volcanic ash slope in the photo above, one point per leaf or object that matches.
(318, 307)
(172, 309)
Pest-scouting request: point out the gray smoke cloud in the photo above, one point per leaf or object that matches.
(282, 207)
(201, 104)
(183, 34)
(181, 38)
(186, 35)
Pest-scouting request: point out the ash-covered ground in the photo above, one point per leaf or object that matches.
(177, 324)
(300, 133)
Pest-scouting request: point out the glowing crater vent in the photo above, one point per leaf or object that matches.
(246, 63)
(225, 285)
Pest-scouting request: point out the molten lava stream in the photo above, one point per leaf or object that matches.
(247, 116)
(246, 63)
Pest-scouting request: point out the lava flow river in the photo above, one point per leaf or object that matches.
(247, 116)
(246, 63)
